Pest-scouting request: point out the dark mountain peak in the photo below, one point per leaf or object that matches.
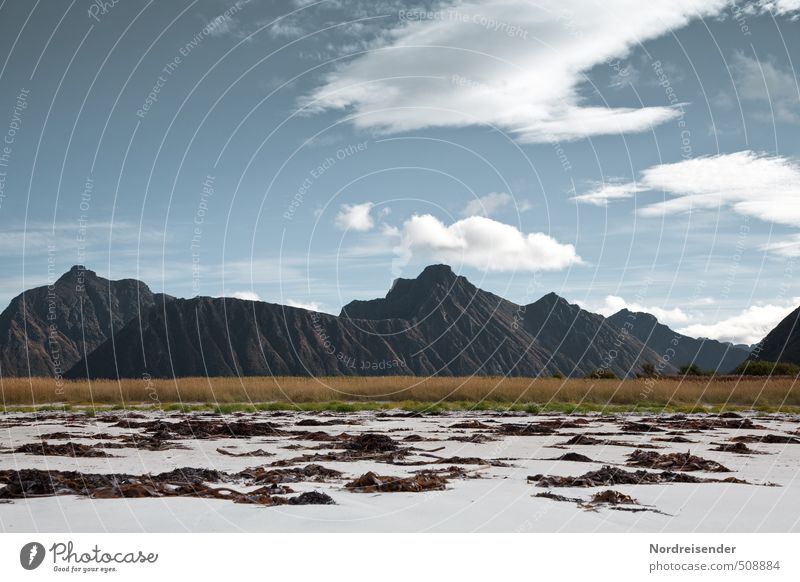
(626, 315)
(45, 330)
(553, 301)
(437, 274)
(76, 274)
(410, 298)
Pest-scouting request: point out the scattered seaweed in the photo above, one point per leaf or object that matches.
(64, 450)
(608, 476)
(256, 453)
(673, 462)
(373, 483)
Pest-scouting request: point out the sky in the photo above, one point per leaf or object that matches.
(619, 153)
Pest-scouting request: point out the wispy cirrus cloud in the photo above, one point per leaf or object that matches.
(750, 183)
(767, 83)
(512, 64)
(487, 205)
(604, 193)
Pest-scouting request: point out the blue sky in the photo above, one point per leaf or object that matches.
(616, 153)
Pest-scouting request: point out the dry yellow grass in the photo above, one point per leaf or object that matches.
(727, 391)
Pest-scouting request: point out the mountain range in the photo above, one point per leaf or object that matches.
(85, 326)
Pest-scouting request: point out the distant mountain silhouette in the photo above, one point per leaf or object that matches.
(46, 330)
(581, 342)
(782, 344)
(707, 354)
(436, 324)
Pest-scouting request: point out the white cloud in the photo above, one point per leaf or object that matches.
(780, 6)
(752, 184)
(487, 205)
(614, 190)
(246, 295)
(309, 305)
(787, 247)
(614, 303)
(748, 327)
(464, 64)
(483, 243)
(355, 217)
(764, 81)
(758, 185)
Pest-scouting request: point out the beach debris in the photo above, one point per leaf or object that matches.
(311, 498)
(738, 448)
(557, 497)
(373, 483)
(471, 424)
(525, 429)
(770, 439)
(186, 482)
(612, 498)
(256, 453)
(319, 435)
(477, 438)
(371, 442)
(708, 423)
(64, 450)
(332, 422)
(673, 461)
(574, 457)
(583, 439)
(608, 499)
(470, 461)
(311, 472)
(608, 476)
(196, 428)
(673, 439)
(66, 436)
(637, 427)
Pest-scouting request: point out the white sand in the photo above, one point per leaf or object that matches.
(502, 500)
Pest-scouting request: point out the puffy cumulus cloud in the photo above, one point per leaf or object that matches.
(355, 217)
(514, 64)
(759, 185)
(482, 243)
(309, 305)
(614, 303)
(748, 327)
(487, 205)
(601, 194)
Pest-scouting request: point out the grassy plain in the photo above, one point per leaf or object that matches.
(342, 393)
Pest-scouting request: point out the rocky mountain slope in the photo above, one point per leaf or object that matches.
(707, 354)
(782, 344)
(46, 330)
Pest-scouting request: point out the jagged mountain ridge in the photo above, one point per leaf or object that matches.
(435, 324)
